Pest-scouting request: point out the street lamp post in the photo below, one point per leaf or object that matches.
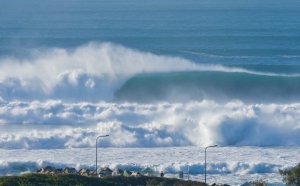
(205, 160)
(97, 150)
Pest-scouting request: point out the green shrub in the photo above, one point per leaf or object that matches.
(291, 176)
(76, 180)
(255, 183)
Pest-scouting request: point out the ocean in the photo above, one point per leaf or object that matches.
(161, 77)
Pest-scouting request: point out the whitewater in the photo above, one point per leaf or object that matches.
(163, 78)
(231, 165)
(59, 110)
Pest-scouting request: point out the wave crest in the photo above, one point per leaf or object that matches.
(99, 71)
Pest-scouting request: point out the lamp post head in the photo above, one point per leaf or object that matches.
(102, 136)
(211, 146)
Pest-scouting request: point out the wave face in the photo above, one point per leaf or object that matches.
(213, 85)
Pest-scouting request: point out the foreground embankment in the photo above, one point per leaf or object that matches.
(66, 180)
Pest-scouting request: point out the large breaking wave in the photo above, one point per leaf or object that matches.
(90, 72)
(64, 98)
(107, 72)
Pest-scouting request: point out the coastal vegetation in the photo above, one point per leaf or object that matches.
(291, 176)
(77, 180)
(255, 183)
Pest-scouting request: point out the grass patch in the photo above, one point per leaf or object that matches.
(76, 180)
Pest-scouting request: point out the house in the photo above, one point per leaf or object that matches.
(69, 170)
(136, 174)
(105, 172)
(58, 171)
(84, 172)
(127, 173)
(117, 172)
(46, 170)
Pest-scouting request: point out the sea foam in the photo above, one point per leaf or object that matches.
(55, 124)
(232, 165)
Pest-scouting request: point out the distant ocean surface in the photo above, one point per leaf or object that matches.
(227, 32)
(255, 46)
(161, 74)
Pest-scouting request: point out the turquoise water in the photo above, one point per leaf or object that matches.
(218, 31)
(151, 73)
(218, 86)
(257, 36)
